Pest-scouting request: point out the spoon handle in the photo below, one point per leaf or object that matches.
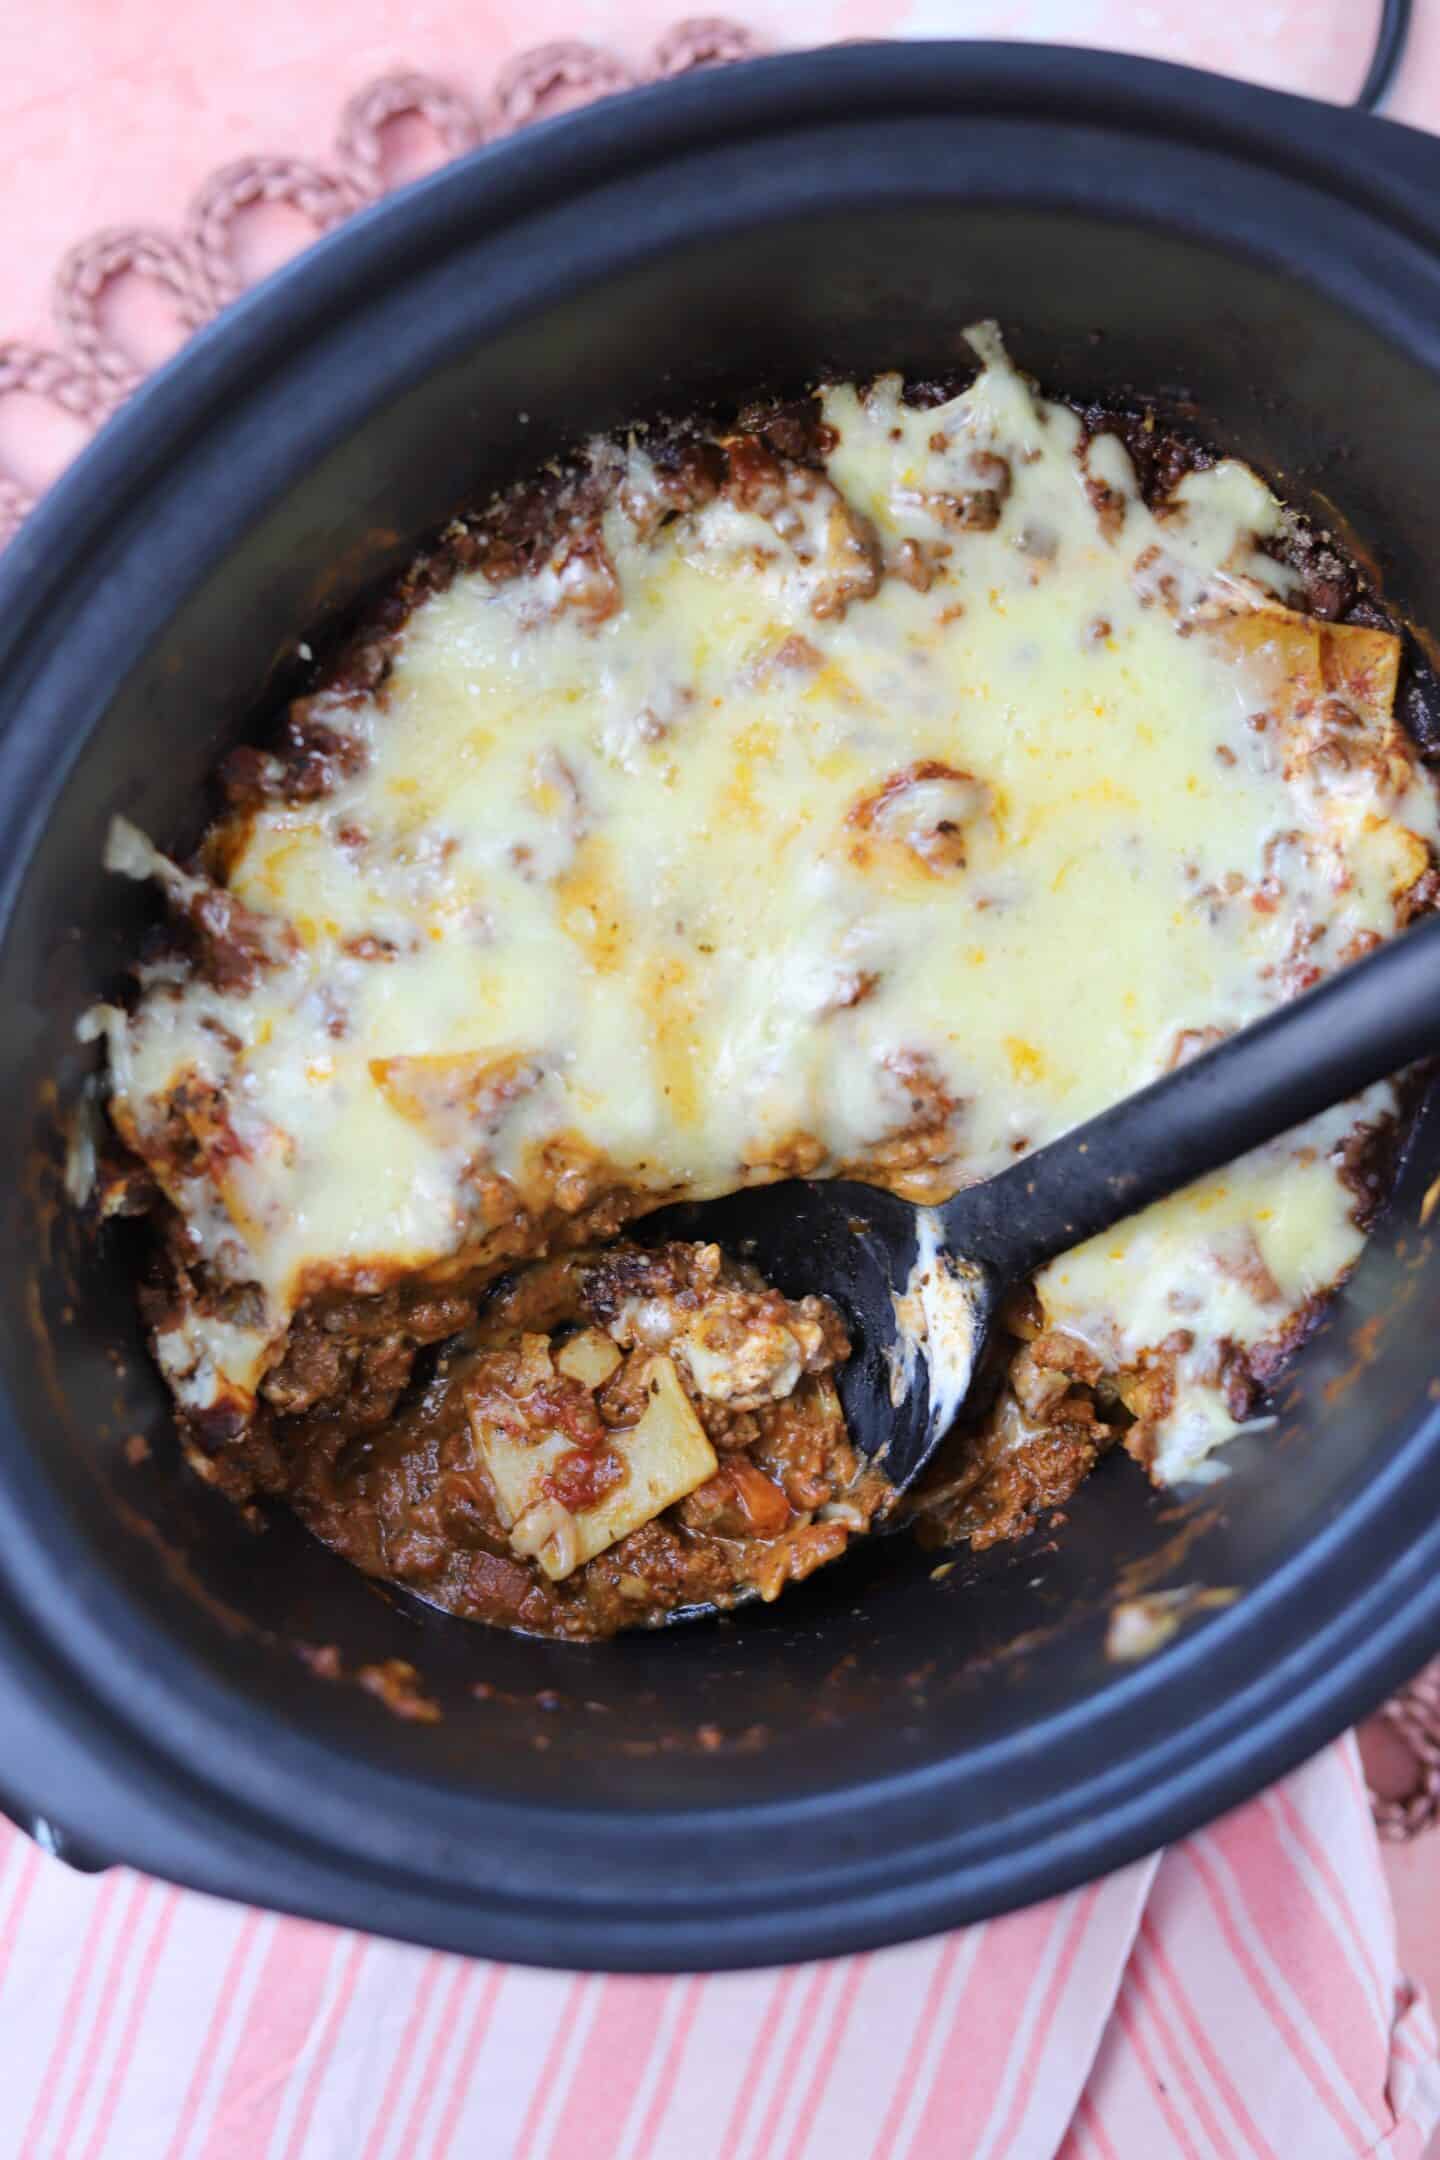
(1367, 1021)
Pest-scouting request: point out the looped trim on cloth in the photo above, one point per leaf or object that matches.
(199, 269)
(69, 384)
(1413, 1716)
(93, 265)
(359, 142)
(553, 79)
(323, 197)
(704, 41)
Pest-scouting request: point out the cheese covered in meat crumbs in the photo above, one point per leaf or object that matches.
(887, 811)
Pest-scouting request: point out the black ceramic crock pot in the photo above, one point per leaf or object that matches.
(884, 1753)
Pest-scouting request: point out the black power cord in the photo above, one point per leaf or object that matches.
(1390, 40)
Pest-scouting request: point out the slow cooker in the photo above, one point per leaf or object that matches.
(887, 1751)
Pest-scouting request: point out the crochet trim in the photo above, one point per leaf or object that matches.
(1414, 1717)
(91, 372)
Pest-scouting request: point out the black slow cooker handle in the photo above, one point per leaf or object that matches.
(1392, 35)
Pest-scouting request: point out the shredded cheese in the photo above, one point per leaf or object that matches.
(953, 795)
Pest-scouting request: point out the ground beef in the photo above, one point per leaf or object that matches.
(1160, 455)
(375, 1450)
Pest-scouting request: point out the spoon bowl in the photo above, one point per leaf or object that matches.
(867, 1251)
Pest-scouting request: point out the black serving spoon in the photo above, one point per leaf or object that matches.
(859, 1245)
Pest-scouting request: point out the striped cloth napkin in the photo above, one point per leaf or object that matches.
(1236, 1996)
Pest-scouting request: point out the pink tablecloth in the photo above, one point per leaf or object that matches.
(1239, 1996)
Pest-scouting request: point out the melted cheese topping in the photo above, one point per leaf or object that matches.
(934, 1320)
(727, 877)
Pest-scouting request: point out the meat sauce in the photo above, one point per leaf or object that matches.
(376, 1447)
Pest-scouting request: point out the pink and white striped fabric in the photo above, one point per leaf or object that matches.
(1237, 1998)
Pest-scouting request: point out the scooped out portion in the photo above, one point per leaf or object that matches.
(618, 1435)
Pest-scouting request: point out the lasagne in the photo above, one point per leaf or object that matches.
(875, 787)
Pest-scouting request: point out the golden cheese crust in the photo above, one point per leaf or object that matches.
(876, 789)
